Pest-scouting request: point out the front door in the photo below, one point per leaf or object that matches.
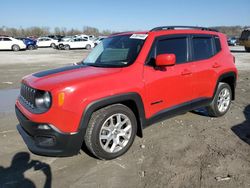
(171, 86)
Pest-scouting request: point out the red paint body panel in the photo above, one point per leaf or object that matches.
(173, 86)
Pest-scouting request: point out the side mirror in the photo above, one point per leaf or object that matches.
(165, 60)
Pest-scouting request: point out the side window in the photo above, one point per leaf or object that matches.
(177, 46)
(6, 39)
(202, 48)
(217, 45)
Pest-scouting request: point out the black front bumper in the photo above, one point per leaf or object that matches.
(50, 142)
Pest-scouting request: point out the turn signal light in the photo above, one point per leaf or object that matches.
(61, 98)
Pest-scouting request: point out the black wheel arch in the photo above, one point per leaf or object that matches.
(131, 100)
(229, 78)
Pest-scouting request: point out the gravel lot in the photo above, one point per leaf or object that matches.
(190, 150)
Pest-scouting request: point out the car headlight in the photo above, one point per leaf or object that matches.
(43, 100)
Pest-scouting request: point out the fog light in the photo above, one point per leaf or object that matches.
(44, 141)
(44, 127)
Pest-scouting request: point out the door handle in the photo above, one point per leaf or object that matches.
(216, 65)
(186, 72)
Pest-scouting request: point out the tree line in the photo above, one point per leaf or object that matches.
(231, 30)
(43, 31)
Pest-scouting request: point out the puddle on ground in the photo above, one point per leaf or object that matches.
(7, 100)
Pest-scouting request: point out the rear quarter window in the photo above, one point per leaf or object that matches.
(217, 44)
(202, 48)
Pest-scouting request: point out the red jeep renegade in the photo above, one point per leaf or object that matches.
(129, 81)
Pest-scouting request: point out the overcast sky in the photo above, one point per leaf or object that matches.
(123, 15)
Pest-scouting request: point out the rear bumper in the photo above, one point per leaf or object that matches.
(48, 142)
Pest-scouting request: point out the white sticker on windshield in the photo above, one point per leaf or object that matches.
(139, 36)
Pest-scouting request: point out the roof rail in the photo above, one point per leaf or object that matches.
(182, 27)
(117, 33)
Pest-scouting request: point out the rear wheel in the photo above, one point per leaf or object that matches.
(88, 47)
(31, 47)
(53, 45)
(67, 47)
(111, 131)
(221, 102)
(15, 47)
(247, 49)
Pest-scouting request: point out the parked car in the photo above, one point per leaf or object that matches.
(128, 82)
(245, 39)
(66, 38)
(46, 42)
(83, 36)
(30, 43)
(9, 43)
(99, 39)
(92, 37)
(232, 41)
(56, 37)
(76, 43)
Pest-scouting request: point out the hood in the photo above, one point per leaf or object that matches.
(66, 76)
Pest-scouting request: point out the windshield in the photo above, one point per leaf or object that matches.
(116, 51)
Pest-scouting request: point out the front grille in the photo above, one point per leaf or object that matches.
(28, 94)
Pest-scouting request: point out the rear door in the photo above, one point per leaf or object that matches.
(170, 86)
(83, 43)
(206, 57)
(40, 42)
(47, 42)
(6, 43)
(76, 43)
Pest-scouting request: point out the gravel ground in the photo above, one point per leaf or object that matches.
(190, 150)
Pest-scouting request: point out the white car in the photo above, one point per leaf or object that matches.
(77, 43)
(9, 43)
(83, 36)
(46, 42)
(99, 39)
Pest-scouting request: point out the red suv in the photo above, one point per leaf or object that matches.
(129, 81)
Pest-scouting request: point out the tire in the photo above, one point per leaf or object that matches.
(247, 49)
(31, 47)
(88, 47)
(60, 47)
(53, 45)
(101, 135)
(15, 47)
(221, 101)
(67, 47)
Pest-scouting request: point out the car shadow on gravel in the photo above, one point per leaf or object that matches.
(200, 111)
(243, 130)
(13, 176)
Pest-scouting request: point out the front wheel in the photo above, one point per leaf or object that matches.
(111, 131)
(221, 101)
